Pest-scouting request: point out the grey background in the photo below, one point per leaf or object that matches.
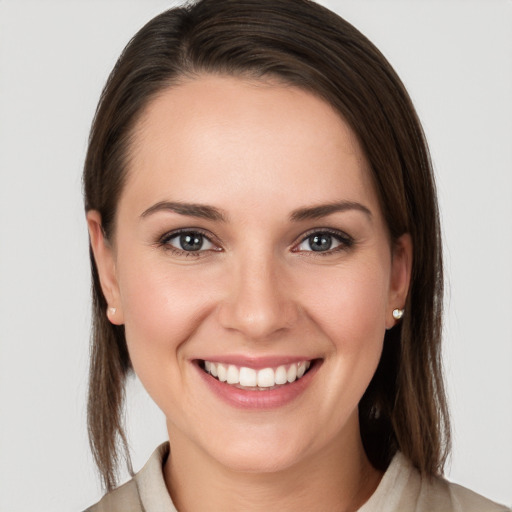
(455, 57)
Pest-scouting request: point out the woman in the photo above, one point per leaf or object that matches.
(266, 257)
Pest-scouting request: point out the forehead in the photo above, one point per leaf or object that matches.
(214, 134)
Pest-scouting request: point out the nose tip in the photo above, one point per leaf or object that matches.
(258, 305)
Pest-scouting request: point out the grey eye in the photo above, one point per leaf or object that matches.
(191, 242)
(319, 242)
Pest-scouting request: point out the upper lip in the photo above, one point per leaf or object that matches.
(256, 362)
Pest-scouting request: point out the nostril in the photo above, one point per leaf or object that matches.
(257, 320)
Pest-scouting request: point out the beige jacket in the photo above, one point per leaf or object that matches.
(401, 490)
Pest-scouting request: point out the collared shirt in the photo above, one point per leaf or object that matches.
(402, 489)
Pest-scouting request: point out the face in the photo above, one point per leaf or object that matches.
(253, 271)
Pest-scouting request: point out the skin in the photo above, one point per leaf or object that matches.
(256, 151)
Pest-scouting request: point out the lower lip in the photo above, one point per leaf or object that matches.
(251, 399)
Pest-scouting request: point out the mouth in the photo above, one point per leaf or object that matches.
(257, 379)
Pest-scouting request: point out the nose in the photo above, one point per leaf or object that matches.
(259, 301)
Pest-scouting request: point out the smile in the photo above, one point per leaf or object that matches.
(264, 379)
(263, 383)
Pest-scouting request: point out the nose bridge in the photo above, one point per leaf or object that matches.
(258, 304)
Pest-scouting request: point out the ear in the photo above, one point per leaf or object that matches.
(105, 263)
(401, 268)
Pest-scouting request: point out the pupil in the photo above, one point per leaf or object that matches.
(320, 242)
(191, 242)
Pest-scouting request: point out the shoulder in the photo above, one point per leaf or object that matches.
(146, 491)
(463, 499)
(123, 499)
(403, 488)
(438, 494)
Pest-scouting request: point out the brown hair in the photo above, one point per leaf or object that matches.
(305, 45)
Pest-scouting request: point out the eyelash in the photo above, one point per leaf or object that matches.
(164, 243)
(345, 242)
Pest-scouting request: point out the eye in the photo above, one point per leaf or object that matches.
(188, 241)
(324, 242)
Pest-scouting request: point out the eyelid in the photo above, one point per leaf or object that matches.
(346, 241)
(163, 241)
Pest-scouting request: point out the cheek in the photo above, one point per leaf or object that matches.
(350, 310)
(350, 304)
(162, 307)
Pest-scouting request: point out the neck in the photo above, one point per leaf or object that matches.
(340, 478)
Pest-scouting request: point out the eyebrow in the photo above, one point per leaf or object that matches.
(323, 210)
(190, 209)
(215, 214)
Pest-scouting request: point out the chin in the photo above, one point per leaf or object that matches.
(257, 461)
(269, 451)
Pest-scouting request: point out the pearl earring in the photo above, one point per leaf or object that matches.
(112, 311)
(398, 313)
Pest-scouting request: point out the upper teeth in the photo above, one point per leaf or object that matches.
(264, 378)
